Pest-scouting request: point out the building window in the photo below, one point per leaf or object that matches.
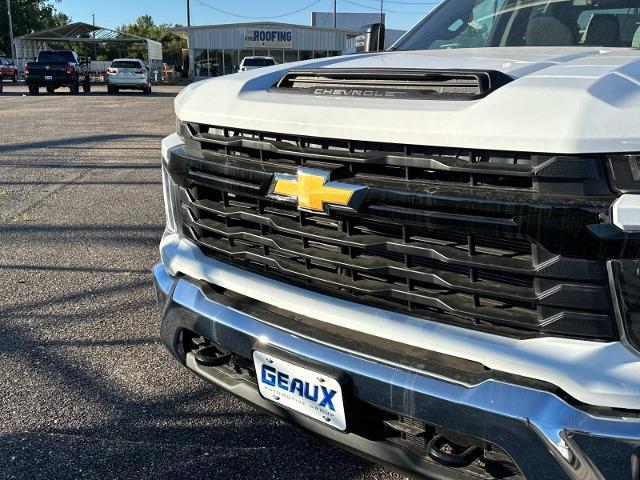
(215, 63)
(207, 63)
(306, 55)
(230, 61)
(201, 63)
(278, 55)
(290, 56)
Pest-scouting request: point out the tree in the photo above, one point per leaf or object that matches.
(144, 26)
(28, 16)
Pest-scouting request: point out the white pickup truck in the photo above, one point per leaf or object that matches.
(427, 255)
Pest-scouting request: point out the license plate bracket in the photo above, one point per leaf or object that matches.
(301, 389)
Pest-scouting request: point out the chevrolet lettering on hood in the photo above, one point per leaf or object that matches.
(358, 92)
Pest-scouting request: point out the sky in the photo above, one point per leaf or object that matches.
(400, 14)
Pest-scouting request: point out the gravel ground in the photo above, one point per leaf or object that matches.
(87, 389)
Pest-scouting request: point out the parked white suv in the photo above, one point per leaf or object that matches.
(251, 63)
(128, 74)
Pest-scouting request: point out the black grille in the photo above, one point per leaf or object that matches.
(489, 255)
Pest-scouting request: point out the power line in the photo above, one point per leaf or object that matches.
(325, 19)
(386, 10)
(204, 4)
(411, 3)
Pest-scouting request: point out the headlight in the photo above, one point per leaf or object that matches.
(626, 279)
(171, 202)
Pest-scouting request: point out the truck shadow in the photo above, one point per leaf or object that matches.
(117, 406)
(125, 93)
(91, 391)
(85, 140)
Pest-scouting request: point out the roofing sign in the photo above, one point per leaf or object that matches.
(263, 38)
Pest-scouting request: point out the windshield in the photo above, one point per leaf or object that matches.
(521, 23)
(56, 57)
(258, 62)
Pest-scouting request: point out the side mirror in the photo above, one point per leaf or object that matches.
(371, 38)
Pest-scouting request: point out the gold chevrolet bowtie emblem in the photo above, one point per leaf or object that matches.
(313, 190)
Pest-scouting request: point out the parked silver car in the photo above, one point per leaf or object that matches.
(130, 74)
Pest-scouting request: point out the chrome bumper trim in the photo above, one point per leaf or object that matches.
(162, 278)
(504, 413)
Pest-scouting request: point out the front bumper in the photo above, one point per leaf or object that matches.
(544, 435)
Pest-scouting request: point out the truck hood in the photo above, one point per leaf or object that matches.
(562, 100)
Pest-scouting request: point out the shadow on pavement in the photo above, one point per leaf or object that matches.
(75, 141)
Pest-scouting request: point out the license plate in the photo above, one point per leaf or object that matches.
(48, 77)
(301, 389)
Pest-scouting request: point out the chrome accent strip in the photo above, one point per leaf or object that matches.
(168, 144)
(162, 277)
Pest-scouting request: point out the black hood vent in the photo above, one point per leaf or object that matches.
(393, 84)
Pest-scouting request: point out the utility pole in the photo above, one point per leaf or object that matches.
(335, 8)
(13, 48)
(381, 11)
(93, 34)
(190, 69)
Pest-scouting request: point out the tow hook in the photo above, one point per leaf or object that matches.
(210, 356)
(444, 452)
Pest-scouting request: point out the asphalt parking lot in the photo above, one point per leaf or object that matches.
(87, 390)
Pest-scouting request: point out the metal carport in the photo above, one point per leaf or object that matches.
(28, 46)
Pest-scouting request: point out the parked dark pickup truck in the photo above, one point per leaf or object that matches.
(55, 69)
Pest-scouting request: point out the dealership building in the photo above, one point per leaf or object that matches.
(218, 49)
